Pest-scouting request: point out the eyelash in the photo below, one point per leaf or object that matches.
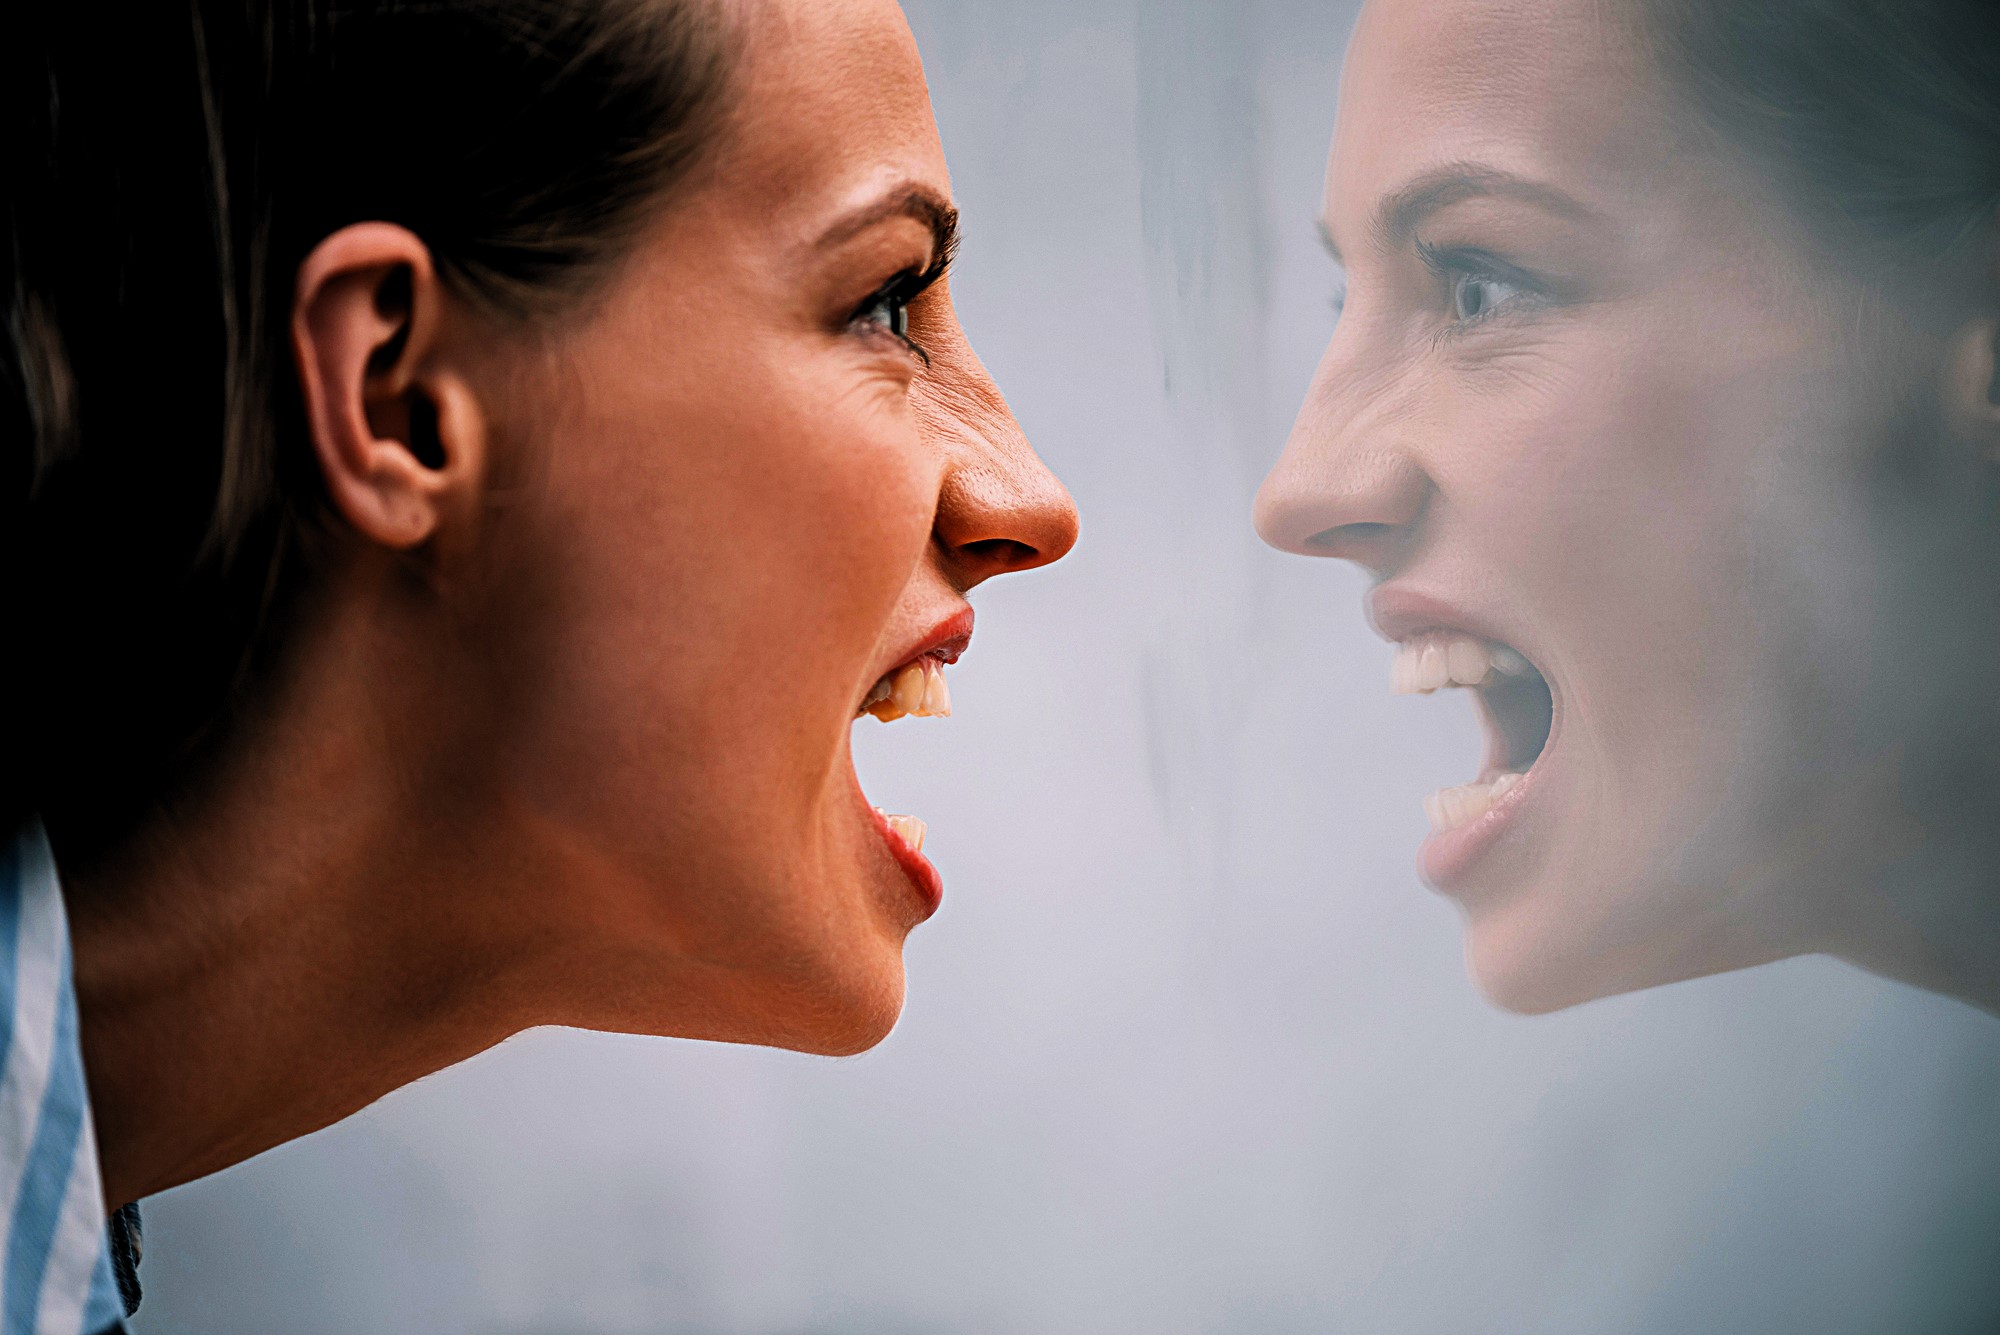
(899, 293)
(1457, 268)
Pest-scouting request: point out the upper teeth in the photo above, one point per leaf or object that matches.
(917, 690)
(1433, 662)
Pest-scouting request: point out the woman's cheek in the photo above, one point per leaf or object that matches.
(884, 476)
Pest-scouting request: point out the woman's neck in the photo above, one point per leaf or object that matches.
(282, 949)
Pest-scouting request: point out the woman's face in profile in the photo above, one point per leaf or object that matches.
(1603, 430)
(762, 472)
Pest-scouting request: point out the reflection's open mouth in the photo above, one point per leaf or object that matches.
(1515, 701)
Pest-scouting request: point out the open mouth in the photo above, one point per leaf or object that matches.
(1515, 703)
(915, 689)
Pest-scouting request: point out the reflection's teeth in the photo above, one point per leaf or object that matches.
(1468, 661)
(1433, 668)
(1455, 808)
(887, 711)
(1422, 666)
(1434, 662)
(907, 690)
(1403, 670)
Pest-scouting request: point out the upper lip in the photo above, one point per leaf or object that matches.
(945, 641)
(1400, 614)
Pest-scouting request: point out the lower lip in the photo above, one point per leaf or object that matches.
(1447, 861)
(923, 876)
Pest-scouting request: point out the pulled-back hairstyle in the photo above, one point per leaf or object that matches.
(1877, 120)
(166, 167)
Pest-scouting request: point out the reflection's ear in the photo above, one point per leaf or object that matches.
(1972, 385)
(399, 436)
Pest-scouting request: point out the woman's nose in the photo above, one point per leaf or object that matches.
(1346, 486)
(1000, 509)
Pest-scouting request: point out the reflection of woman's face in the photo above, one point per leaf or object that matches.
(752, 494)
(1601, 429)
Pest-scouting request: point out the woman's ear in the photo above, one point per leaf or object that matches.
(399, 436)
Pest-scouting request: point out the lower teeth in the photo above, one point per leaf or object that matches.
(1455, 808)
(908, 828)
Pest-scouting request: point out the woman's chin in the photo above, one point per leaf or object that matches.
(843, 1020)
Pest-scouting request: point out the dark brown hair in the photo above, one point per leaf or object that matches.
(1878, 121)
(166, 166)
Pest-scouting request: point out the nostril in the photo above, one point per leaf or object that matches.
(1371, 544)
(1347, 537)
(1000, 553)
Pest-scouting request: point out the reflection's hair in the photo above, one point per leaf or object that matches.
(1879, 119)
(1878, 124)
(168, 166)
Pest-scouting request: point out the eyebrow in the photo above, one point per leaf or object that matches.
(920, 202)
(1325, 230)
(1409, 208)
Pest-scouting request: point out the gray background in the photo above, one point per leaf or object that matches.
(1189, 1049)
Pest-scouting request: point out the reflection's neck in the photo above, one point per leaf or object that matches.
(1934, 921)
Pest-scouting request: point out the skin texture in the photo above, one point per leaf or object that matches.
(564, 737)
(1655, 466)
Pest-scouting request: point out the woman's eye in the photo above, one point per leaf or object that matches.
(888, 311)
(1476, 296)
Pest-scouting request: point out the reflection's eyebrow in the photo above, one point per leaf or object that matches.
(1326, 239)
(920, 202)
(1403, 212)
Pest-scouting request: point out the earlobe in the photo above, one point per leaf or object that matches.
(399, 439)
(1972, 385)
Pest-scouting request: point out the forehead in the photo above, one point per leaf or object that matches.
(831, 104)
(1555, 90)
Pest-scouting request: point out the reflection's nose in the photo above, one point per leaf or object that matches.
(1347, 485)
(1000, 509)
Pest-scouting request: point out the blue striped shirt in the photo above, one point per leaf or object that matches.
(57, 1276)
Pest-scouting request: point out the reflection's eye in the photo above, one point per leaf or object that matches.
(1479, 286)
(1475, 296)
